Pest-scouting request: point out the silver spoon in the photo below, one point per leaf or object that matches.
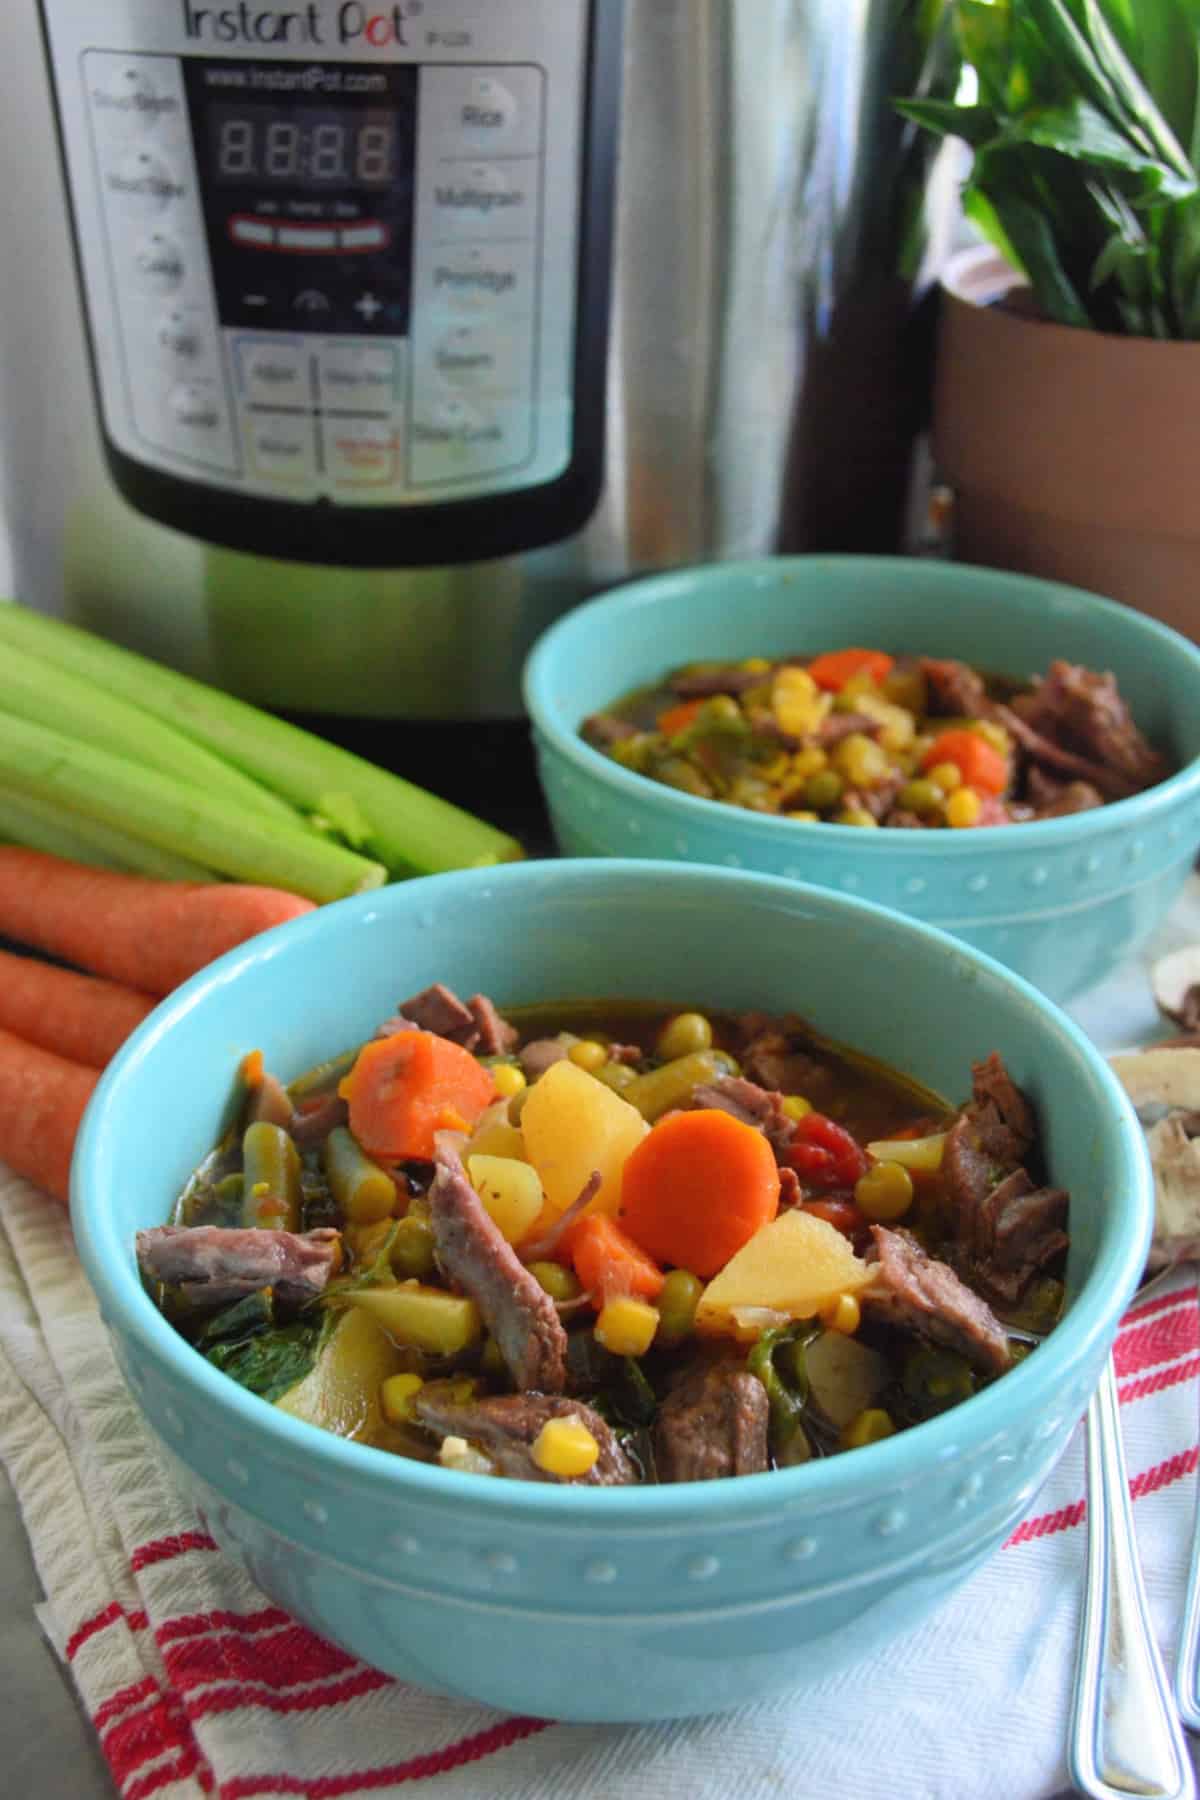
(1125, 1738)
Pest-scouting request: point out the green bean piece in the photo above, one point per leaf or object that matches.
(364, 1192)
(558, 1281)
(658, 1091)
(677, 1301)
(787, 1395)
(270, 1178)
(935, 1379)
(412, 1248)
(615, 1075)
(324, 1077)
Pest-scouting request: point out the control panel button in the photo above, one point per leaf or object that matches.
(475, 356)
(158, 264)
(360, 452)
(181, 337)
(357, 377)
(273, 372)
(121, 91)
(282, 448)
(372, 234)
(141, 184)
(196, 406)
(483, 201)
(474, 278)
(459, 440)
(467, 110)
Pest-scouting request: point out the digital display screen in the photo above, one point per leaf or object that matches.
(310, 147)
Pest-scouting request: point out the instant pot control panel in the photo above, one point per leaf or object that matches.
(344, 266)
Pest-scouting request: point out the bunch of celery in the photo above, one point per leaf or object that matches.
(1085, 132)
(109, 758)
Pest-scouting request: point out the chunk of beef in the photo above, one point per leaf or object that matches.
(505, 1427)
(953, 688)
(703, 683)
(999, 1112)
(629, 1054)
(603, 729)
(1084, 710)
(312, 1124)
(1018, 1231)
(213, 1265)
(772, 1055)
(712, 1424)
(969, 1174)
(836, 726)
(751, 1104)
(493, 1034)
(438, 1009)
(539, 1054)
(1043, 750)
(473, 1252)
(878, 801)
(790, 1191)
(916, 1292)
(1052, 799)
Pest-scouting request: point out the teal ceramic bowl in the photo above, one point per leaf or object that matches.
(1061, 901)
(617, 1604)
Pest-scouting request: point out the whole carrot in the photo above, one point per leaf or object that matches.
(81, 1017)
(42, 1099)
(148, 934)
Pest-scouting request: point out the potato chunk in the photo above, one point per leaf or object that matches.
(510, 1191)
(341, 1390)
(791, 1268)
(572, 1124)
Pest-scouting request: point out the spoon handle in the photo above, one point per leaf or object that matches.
(1187, 1667)
(1125, 1738)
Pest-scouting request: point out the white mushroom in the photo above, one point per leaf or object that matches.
(1164, 1086)
(1175, 980)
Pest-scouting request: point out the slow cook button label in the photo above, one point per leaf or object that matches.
(456, 442)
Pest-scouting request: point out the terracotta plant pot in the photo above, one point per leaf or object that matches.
(1072, 454)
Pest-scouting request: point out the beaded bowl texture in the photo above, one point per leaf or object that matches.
(624, 1603)
(1062, 901)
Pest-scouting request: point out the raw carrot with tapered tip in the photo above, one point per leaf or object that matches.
(149, 934)
(42, 1100)
(82, 1017)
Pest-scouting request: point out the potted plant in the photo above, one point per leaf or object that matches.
(1066, 413)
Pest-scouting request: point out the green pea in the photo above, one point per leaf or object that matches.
(677, 1301)
(884, 1193)
(686, 1033)
(920, 796)
(559, 1281)
(412, 1248)
(823, 790)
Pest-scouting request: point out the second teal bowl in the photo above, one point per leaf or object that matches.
(1061, 901)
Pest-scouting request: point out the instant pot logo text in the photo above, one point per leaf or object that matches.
(375, 27)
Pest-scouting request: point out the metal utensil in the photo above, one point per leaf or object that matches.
(1187, 1666)
(1125, 1738)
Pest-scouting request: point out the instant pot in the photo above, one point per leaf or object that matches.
(345, 344)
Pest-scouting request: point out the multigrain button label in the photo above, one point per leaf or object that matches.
(483, 200)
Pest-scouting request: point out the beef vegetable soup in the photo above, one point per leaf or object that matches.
(859, 737)
(612, 1243)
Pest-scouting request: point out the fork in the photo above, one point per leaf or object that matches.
(1125, 1738)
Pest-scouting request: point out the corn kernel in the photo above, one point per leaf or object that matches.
(946, 775)
(808, 761)
(995, 735)
(797, 702)
(884, 1193)
(587, 1054)
(396, 1397)
(843, 1314)
(509, 1079)
(755, 665)
(565, 1447)
(963, 808)
(855, 815)
(805, 817)
(795, 1106)
(626, 1326)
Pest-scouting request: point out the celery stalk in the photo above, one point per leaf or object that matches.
(86, 710)
(39, 825)
(410, 830)
(184, 820)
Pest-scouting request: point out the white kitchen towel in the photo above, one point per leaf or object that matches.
(196, 1684)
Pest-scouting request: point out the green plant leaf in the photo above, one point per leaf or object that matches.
(974, 124)
(1081, 132)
